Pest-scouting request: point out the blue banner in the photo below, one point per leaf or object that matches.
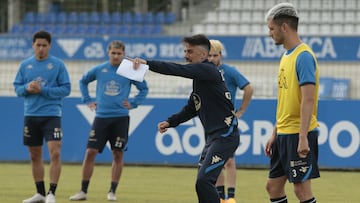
(339, 139)
(254, 48)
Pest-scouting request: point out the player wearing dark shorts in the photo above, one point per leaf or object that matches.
(43, 82)
(111, 123)
(286, 161)
(38, 128)
(115, 130)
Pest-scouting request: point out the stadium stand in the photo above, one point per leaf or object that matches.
(92, 23)
(114, 18)
(72, 18)
(61, 18)
(320, 17)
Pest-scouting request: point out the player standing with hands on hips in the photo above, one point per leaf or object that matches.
(43, 81)
(112, 105)
(210, 100)
(234, 80)
(293, 146)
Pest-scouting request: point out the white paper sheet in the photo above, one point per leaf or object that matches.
(126, 69)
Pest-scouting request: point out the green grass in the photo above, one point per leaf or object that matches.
(141, 184)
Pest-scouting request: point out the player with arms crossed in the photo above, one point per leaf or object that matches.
(211, 102)
(293, 146)
(233, 79)
(112, 105)
(43, 81)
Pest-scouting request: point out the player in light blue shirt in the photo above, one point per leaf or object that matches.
(43, 82)
(234, 80)
(112, 105)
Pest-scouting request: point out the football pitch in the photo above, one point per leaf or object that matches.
(154, 184)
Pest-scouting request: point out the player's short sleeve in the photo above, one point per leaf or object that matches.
(306, 68)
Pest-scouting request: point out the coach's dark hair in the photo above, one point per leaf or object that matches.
(42, 34)
(198, 40)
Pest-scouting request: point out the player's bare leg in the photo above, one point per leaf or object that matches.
(116, 170)
(303, 191)
(276, 188)
(87, 171)
(37, 163)
(37, 167)
(55, 168)
(88, 163)
(117, 165)
(55, 160)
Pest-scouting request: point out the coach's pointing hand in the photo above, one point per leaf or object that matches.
(163, 126)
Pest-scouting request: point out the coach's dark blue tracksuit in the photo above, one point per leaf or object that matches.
(210, 100)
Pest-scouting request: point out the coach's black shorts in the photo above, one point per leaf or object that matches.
(36, 129)
(115, 130)
(286, 161)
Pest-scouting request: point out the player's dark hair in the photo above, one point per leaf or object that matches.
(42, 34)
(292, 21)
(116, 44)
(198, 40)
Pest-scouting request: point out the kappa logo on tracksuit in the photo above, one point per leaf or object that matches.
(215, 159)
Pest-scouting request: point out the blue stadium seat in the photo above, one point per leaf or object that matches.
(157, 29)
(37, 27)
(138, 18)
(52, 18)
(160, 18)
(70, 29)
(28, 29)
(61, 17)
(92, 29)
(40, 18)
(81, 29)
(170, 18)
(147, 29)
(116, 18)
(29, 18)
(16, 29)
(83, 17)
(48, 27)
(94, 17)
(152, 29)
(148, 18)
(136, 30)
(124, 30)
(103, 29)
(127, 18)
(113, 30)
(105, 18)
(59, 29)
(72, 18)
